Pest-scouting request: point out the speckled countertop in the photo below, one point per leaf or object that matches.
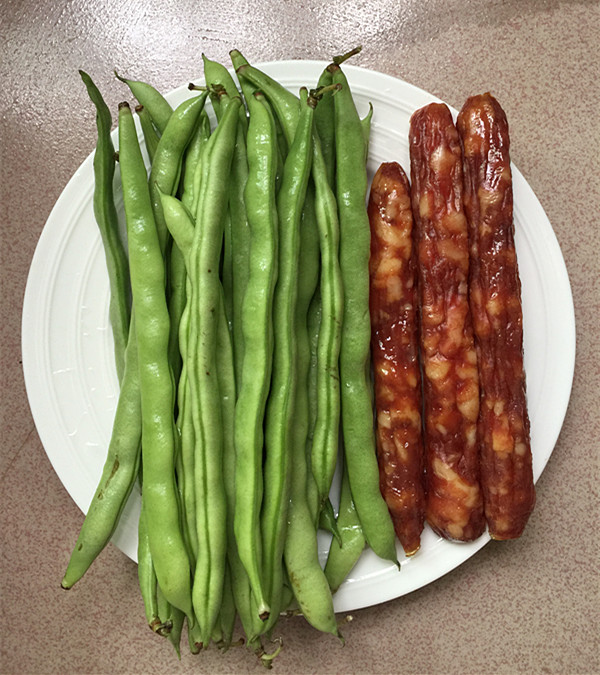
(529, 606)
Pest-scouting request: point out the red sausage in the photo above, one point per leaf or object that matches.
(495, 297)
(454, 506)
(393, 308)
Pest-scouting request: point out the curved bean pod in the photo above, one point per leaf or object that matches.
(344, 554)
(166, 167)
(206, 305)
(108, 224)
(258, 340)
(118, 475)
(154, 102)
(357, 407)
(151, 136)
(159, 492)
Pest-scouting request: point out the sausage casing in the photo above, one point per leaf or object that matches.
(454, 506)
(495, 297)
(394, 346)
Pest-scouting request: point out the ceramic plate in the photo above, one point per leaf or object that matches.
(68, 354)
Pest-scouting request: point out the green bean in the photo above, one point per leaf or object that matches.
(179, 222)
(191, 158)
(118, 475)
(357, 408)
(247, 87)
(205, 303)
(166, 168)
(226, 614)
(216, 74)
(151, 136)
(195, 637)
(177, 620)
(314, 325)
(237, 586)
(147, 576)
(239, 582)
(237, 232)
(284, 102)
(154, 102)
(159, 491)
(300, 550)
(181, 226)
(343, 555)
(280, 411)
(258, 340)
(164, 176)
(236, 225)
(165, 612)
(325, 125)
(301, 534)
(108, 224)
(325, 439)
(192, 169)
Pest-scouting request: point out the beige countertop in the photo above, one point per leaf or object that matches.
(528, 606)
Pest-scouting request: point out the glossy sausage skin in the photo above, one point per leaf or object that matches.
(394, 344)
(495, 296)
(454, 507)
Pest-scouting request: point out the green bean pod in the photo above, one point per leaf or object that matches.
(306, 577)
(167, 164)
(191, 158)
(154, 102)
(325, 125)
(280, 411)
(325, 440)
(147, 575)
(344, 554)
(165, 613)
(258, 340)
(206, 305)
(357, 405)
(238, 579)
(159, 491)
(237, 234)
(180, 224)
(192, 168)
(118, 475)
(165, 177)
(226, 614)
(108, 225)
(174, 636)
(284, 102)
(151, 136)
(247, 87)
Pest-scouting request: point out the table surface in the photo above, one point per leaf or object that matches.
(528, 606)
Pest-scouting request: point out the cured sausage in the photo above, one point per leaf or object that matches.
(394, 346)
(454, 506)
(495, 297)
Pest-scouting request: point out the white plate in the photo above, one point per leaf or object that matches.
(68, 352)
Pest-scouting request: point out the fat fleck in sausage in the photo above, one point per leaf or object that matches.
(454, 506)
(394, 346)
(495, 297)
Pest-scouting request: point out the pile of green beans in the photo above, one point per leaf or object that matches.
(240, 314)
